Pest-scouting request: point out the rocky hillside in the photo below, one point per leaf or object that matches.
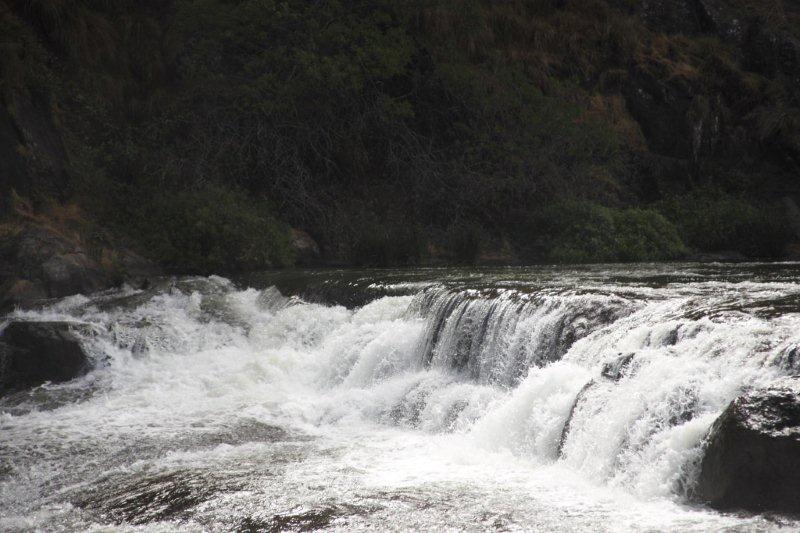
(198, 132)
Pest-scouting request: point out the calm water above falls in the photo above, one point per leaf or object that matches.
(426, 399)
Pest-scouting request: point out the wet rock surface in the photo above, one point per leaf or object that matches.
(618, 368)
(32, 353)
(752, 460)
(153, 498)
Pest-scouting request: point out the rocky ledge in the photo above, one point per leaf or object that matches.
(39, 261)
(752, 459)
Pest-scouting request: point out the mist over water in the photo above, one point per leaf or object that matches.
(515, 399)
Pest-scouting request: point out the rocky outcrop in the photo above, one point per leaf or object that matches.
(37, 261)
(13, 168)
(305, 248)
(32, 353)
(752, 458)
(41, 263)
(34, 158)
(715, 129)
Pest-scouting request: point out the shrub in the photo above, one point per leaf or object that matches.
(381, 244)
(464, 240)
(210, 230)
(716, 221)
(583, 232)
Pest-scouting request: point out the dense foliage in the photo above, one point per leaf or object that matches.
(408, 132)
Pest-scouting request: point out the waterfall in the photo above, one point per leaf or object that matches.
(617, 382)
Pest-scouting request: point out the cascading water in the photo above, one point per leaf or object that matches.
(513, 399)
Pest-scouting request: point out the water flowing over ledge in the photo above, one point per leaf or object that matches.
(363, 399)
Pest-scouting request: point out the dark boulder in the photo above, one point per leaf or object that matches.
(32, 353)
(40, 261)
(752, 459)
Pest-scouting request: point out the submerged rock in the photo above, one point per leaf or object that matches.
(580, 398)
(616, 369)
(32, 353)
(752, 460)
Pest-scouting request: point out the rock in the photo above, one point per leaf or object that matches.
(125, 266)
(305, 247)
(13, 167)
(47, 264)
(32, 353)
(789, 361)
(40, 262)
(72, 273)
(752, 458)
(661, 108)
(567, 425)
(37, 139)
(17, 290)
(617, 368)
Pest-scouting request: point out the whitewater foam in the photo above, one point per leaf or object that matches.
(249, 404)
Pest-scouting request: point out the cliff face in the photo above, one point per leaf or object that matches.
(32, 152)
(384, 131)
(724, 115)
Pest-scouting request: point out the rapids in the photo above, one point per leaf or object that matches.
(512, 399)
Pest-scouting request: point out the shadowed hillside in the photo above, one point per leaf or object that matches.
(198, 132)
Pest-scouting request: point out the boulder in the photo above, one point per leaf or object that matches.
(305, 248)
(39, 261)
(752, 457)
(47, 263)
(32, 353)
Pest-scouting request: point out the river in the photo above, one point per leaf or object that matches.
(552, 399)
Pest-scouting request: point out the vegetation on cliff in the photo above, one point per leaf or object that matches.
(408, 132)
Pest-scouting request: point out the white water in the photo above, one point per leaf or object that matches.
(440, 405)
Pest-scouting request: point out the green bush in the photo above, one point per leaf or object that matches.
(464, 240)
(210, 230)
(715, 221)
(384, 244)
(583, 232)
